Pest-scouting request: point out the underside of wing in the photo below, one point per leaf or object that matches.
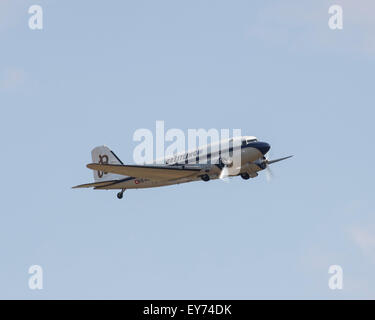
(147, 172)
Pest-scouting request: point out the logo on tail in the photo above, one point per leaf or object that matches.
(103, 159)
(104, 156)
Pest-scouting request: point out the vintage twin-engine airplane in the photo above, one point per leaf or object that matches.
(110, 173)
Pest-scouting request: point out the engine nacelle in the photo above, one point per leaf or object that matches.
(252, 168)
(261, 163)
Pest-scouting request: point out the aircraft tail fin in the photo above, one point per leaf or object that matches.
(103, 155)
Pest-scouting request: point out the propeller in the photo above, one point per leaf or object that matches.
(269, 174)
(264, 164)
(224, 173)
(227, 163)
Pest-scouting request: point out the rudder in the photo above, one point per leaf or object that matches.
(103, 155)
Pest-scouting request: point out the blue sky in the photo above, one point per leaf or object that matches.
(100, 70)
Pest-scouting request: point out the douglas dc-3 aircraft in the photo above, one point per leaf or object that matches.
(110, 173)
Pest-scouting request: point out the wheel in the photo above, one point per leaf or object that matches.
(205, 177)
(120, 195)
(245, 176)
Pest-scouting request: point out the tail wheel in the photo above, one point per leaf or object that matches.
(121, 194)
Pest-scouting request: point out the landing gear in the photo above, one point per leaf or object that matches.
(245, 176)
(205, 177)
(121, 193)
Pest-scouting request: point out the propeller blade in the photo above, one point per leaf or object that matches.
(269, 174)
(224, 173)
(277, 160)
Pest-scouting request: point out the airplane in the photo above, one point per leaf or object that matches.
(111, 173)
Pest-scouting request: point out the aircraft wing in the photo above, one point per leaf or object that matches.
(152, 172)
(96, 184)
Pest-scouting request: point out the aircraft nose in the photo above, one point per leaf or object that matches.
(263, 147)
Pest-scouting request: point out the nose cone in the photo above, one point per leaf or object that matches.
(263, 147)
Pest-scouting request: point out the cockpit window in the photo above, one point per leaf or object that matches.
(251, 140)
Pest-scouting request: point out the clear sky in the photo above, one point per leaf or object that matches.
(99, 70)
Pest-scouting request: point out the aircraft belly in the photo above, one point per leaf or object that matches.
(140, 183)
